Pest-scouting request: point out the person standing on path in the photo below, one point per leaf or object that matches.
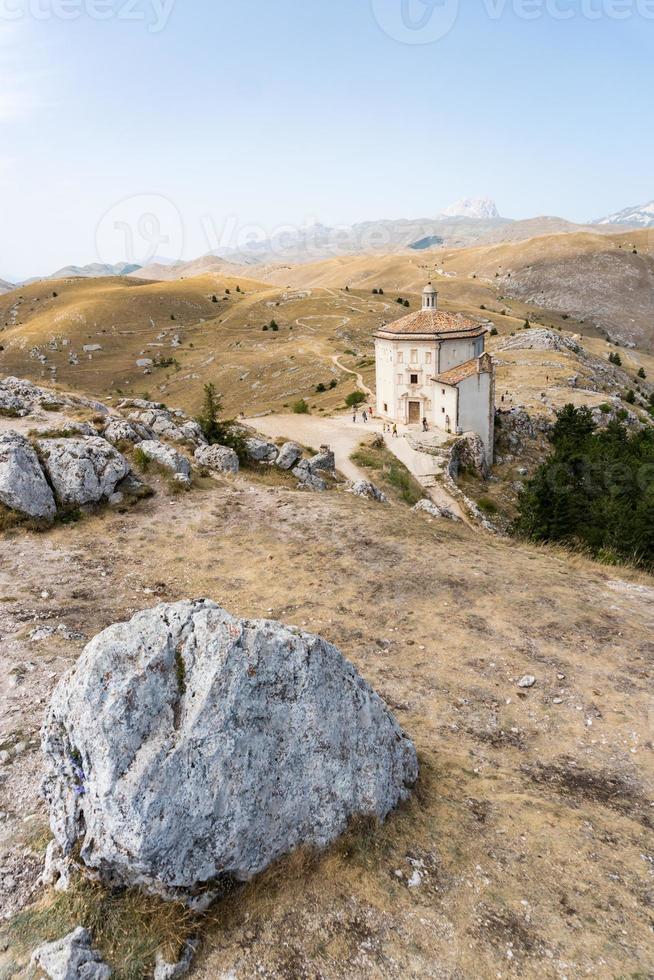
(365, 415)
(394, 431)
(354, 415)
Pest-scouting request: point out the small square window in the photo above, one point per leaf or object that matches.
(443, 409)
(385, 407)
(414, 379)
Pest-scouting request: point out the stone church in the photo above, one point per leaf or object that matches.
(432, 365)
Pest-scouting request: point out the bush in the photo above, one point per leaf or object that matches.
(354, 398)
(274, 326)
(630, 396)
(320, 388)
(615, 358)
(334, 382)
(641, 373)
(494, 332)
(214, 298)
(605, 408)
(301, 407)
(595, 490)
(407, 303)
(265, 326)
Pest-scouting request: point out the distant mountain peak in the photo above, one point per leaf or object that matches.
(639, 216)
(483, 208)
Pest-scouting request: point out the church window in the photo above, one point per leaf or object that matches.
(385, 407)
(399, 379)
(428, 357)
(414, 356)
(400, 357)
(414, 379)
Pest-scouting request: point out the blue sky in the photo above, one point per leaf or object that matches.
(210, 114)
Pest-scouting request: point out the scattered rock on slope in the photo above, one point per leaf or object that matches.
(23, 487)
(167, 457)
(260, 450)
(71, 958)
(121, 430)
(187, 745)
(82, 471)
(221, 459)
(363, 488)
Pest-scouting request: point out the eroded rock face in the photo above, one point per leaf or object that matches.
(82, 471)
(429, 507)
(71, 958)
(221, 459)
(187, 745)
(23, 486)
(469, 452)
(166, 423)
(167, 457)
(288, 456)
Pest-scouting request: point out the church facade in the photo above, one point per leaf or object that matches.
(432, 365)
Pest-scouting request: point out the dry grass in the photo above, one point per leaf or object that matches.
(388, 472)
(128, 927)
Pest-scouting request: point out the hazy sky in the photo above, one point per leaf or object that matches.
(127, 125)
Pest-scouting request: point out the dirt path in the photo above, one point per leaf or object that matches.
(361, 383)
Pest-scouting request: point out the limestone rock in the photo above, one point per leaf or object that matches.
(527, 681)
(222, 459)
(308, 480)
(166, 456)
(71, 958)
(187, 746)
(324, 460)
(166, 423)
(289, 455)
(82, 471)
(260, 450)
(363, 488)
(429, 507)
(21, 397)
(468, 451)
(23, 487)
(120, 430)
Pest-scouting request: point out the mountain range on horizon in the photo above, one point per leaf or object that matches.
(469, 221)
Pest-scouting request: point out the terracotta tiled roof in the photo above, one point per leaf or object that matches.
(456, 374)
(433, 322)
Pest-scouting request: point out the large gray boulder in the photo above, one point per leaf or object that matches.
(71, 958)
(23, 487)
(260, 450)
(166, 457)
(187, 746)
(289, 455)
(170, 424)
(82, 471)
(121, 430)
(220, 459)
(324, 461)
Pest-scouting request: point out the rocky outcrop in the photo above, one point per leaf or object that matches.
(364, 488)
(23, 486)
(166, 423)
(220, 459)
(260, 450)
(121, 430)
(429, 507)
(308, 480)
(324, 462)
(21, 398)
(540, 338)
(289, 455)
(71, 958)
(166, 457)
(82, 471)
(468, 452)
(187, 746)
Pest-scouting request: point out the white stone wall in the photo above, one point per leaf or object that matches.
(455, 352)
(477, 409)
(444, 415)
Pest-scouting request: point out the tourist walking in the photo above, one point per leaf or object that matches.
(354, 416)
(394, 430)
(365, 415)
(425, 426)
